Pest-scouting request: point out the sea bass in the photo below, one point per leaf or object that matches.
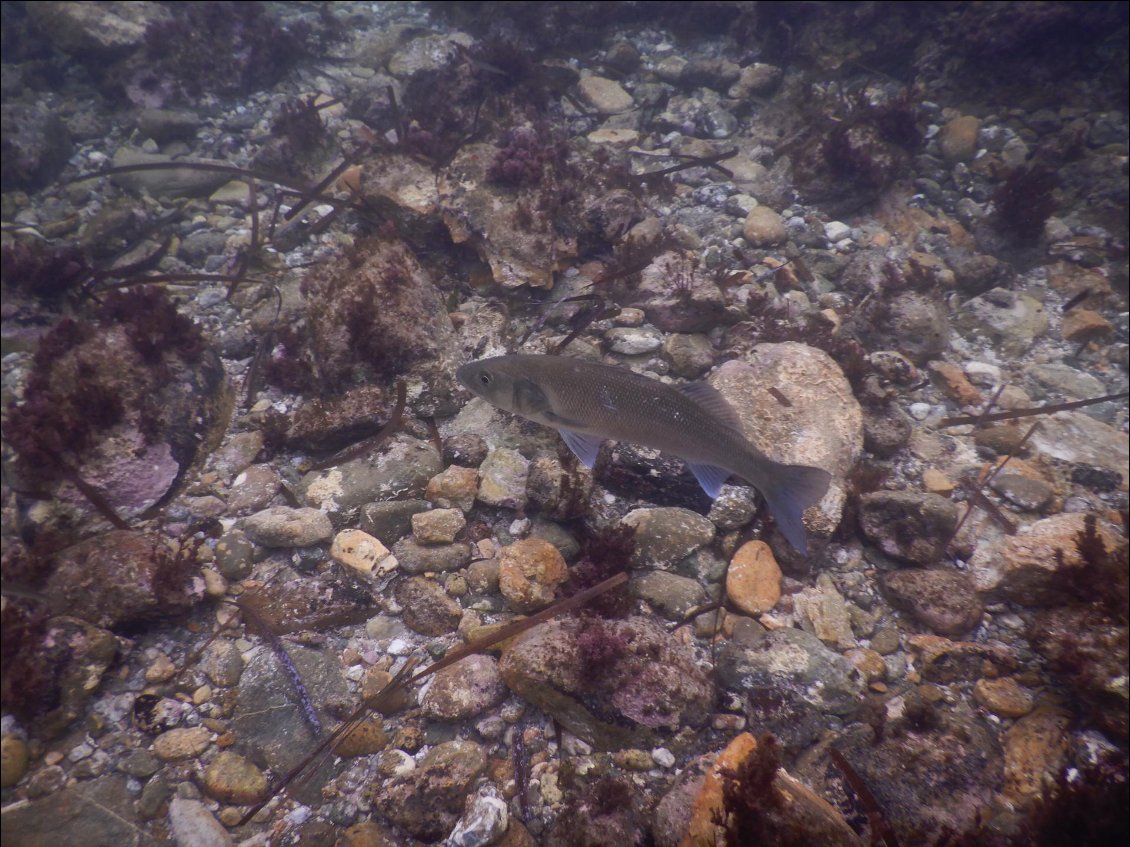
(588, 403)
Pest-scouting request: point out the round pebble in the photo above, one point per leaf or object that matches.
(529, 572)
(753, 582)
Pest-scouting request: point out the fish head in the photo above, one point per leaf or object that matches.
(501, 382)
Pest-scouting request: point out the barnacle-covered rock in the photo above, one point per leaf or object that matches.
(122, 406)
(505, 223)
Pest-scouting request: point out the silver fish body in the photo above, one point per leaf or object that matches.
(588, 403)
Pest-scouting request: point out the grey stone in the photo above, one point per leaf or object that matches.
(666, 536)
(672, 595)
(416, 558)
(945, 600)
(908, 525)
(390, 520)
(282, 526)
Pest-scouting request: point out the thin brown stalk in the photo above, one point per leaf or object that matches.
(1037, 410)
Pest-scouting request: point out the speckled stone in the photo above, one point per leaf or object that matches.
(604, 95)
(673, 596)
(753, 582)
(439, 526)
(223, 663)
(234, 552)
(366, 738)
(907, 525)
(1004, 697)
(464, 690)
(427, 608)
(455, 488)
(666, 536)
(282, 526)
(529, 573)
(181, 743)
(230, 778)
(822, 610)
(192, 825)
(13, 760)
(413, 557)
(362, 552)
(944, 599)
(1035, 750)
(764, 228)
(958, 139)
(503, 483)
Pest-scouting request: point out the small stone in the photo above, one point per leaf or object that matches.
(836, 231)
(614, 136)
(361, 552)
(1035, 751)
(282, 526)
(253, 489)
(666, 536)
(367, 737)
(945, 600)
(764, 228)
(936, 482)
(161, 670)
(413, 557)
(690, 354)
(630, 317)
(958, 139)
(230, 778)
(391, 520)
(823, 611)
(954, 384)
(13, 760)
(504, 474)
(234, 552)
(466, 449)
(181, 743)
(455, 488)
(869, 663)
(634, 341)
(1081, 326)
(427, 608)
(485, 821)
(670, 594)
(439, 526)
(908, 526)
(222, 663)
(1027, 494)
(192, 825)
(753, 582)
(886, 641)
(755, 80)
(606, 96)
(464, 690)
(1003, 439)
(529, 573)
(1004, 697)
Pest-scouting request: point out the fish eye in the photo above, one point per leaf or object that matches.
(484, 378)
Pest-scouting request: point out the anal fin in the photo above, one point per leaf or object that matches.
(584, 447)
(710, 477)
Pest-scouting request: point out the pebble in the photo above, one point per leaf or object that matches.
(1004, 697)
(634, 341)
(192, 825)
(764, 228)
(485, 822)
(365, 739)
(253, 489)
(454, 488)
(836, 231)
(689, 354)
(282, 526)
(230, 778)
(822, 610)
(360, 551)
(161, 669)
(412, 557)
(1023, 492)
(390, 520)
(907, 525)
(673, 596)
(1081, 326)
(529, 573)
(869, 662)
(234, 554)
(439, 526)
(606, 96)
(182, 743)
(223, 663)
(504, 475)
(886, 641)
(13, 760)
(753, 581)
(945, 600)
(1035, 751)
(427, 608)
(958, 139)
(936, 482)
(1011, 319)
(464, 690)
(667, 535)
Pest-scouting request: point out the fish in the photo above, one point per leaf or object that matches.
(588, 403)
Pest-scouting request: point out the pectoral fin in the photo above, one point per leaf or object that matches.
(710, 477)
(584, 447)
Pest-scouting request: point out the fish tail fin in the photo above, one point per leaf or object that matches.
(789, 490)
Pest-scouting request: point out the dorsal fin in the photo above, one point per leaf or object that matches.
(713, 402)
